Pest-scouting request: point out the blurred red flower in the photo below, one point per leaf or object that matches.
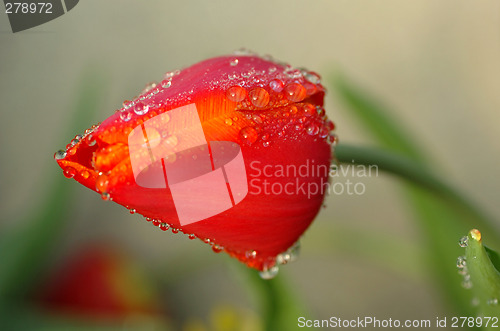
(99, 282)
(272, 111)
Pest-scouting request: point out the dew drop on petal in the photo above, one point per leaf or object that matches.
(164, 226)
(312, 129)
(294, 251)
(251, 254)
(234, 62)
(236, 93)
(276, 85)
(323, 132)
(166, 83)
(229, 121)
(84, 174)
(295, 92)
(60, 154)
(132, 211)
(312, 77)
(127, 104)
(102, 183)
(141, 108)
(463, 242)
(248, 135)
(192, 236)
(217, 249)
(105, 196)
(69, 172)
(269, 273)
(259, 97)
(125, 116)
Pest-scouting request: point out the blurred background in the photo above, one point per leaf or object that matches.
(434, 64)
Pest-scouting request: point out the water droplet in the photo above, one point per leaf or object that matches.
(141, 108)
(236, 93)
(266, 143)
(125, 116)
(174, 230)
(248, 135)
(164, 226)
(295, 92)
(234, 62)
(259, 97)
(132, 211)
(69, 172)
(102, 183)
(257, 119)
(461, 262)
(312, 77)
(475, 302)
(323, 133)
(191, 236)
(332, 139)
(105, 196)
(250, 254)
(206, 241)
(310, 88)
(60, 154)
(492, 302)
(84, 174)
(169, 75)
(217, 249)
(166, 83)
(148, 87)
(312, 129)
(90, 140)
(155, 222)
(276, 85)
(463, 242)
(229, 121)
(294, 251)
(127, 104)
(467, 284)
(243, 51)
(269, 273)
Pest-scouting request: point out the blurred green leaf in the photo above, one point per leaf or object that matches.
(484, 277)
(441, 223)
(24, 247)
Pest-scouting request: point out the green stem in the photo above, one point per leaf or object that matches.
(417, 174)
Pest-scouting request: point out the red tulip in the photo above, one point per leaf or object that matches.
(99, 282)
(272, 111)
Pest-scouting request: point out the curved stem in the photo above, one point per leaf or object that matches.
(417, 174)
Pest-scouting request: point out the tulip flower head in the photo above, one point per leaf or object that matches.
(234, 150)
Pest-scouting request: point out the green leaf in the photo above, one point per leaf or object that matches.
(484, 276)
(377, 120)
